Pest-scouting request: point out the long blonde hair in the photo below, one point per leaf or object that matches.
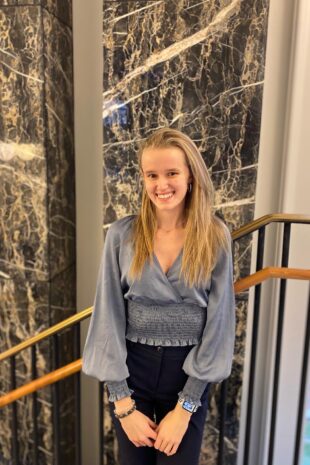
(205, 232)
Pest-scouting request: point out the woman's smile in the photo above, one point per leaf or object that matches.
(165, 197)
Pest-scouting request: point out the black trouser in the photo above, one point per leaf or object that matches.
(156, 376)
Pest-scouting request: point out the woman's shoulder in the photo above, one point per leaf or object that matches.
(221, 221)
(120, 227)
(226, 230)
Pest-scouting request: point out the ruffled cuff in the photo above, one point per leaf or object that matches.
(193, 390)
(118, 390)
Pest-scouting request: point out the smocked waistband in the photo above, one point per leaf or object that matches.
(177, 324)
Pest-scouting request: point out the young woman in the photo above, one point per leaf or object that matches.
(163, 324)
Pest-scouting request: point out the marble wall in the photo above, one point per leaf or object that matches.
(37, 209)
(197, 66)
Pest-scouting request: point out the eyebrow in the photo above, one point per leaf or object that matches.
(170, 169)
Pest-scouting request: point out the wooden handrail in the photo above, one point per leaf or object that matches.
(267, 219)
(47, 332)
(244, 230)
(270, 272)
(41, 382)
(73, 367)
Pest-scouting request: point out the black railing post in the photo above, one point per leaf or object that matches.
(257, 294)
(223, 397)
(15, 448)
(303, 385)
(77, 396)
(284, 263)
(56, 404)
(34, 407)
(101, 419)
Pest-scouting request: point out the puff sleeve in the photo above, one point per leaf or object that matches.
(211, 359)
(105, 353)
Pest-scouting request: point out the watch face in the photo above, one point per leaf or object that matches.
(188, 406)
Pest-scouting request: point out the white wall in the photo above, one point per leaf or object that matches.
(88, 72)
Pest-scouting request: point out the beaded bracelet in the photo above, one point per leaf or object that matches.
(122, 411)
(126, 413)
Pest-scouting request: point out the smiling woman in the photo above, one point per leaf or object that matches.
(163, 324)
(166, 179)
(171, 165)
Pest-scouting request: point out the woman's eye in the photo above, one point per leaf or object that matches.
(152, 175)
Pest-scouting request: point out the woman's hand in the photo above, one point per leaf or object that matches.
(139, 429)
(171, 430)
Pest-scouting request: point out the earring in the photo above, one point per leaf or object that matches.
(190, 187)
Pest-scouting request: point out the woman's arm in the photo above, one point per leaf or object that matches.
(211, 359)
(105, 352)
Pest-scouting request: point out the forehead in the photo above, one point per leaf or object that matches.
(162, 158)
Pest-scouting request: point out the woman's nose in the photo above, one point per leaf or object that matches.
(162, 183)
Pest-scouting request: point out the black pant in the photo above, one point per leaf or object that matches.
(156, 376)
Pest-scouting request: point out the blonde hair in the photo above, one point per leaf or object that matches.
(205, 232)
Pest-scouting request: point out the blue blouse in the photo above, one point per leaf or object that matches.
(104, 355)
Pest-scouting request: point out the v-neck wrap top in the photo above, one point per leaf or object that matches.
(159, 309)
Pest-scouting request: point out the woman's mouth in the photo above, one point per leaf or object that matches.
(165, 197)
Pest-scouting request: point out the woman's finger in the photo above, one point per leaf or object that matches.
(168, 448)
(173, 450)
(148, 443)
(164, 446)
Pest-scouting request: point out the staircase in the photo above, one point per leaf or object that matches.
(255, 281)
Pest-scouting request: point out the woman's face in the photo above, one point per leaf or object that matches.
(166, 176)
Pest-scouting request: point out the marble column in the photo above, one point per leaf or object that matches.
(197, 66)
(37, 210)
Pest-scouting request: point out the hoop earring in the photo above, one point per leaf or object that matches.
(190, 187)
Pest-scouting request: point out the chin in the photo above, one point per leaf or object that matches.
(171, 206)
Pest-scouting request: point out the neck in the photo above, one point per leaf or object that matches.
(169, 221)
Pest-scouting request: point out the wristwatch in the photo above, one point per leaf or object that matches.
(187, 405)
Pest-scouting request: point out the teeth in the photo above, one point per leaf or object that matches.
(164, 196)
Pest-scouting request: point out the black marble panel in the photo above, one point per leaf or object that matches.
(59, 143)
(37, 211)
(19, 2)
(59, 8)
(21, 86)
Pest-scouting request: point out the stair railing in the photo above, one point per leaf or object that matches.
(255, 280)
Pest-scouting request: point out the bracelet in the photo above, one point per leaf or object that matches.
(126, 413)
(122, 411)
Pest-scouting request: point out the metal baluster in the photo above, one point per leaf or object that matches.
(303, 385)
(34, 407)
(56, 405)
(101, 413)
(284, 263)
(15, 448)
(77, 396)
(223, 404)
(257, 294)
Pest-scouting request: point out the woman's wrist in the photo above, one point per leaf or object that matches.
(125, 412)
(123, 404)
(182, 413)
